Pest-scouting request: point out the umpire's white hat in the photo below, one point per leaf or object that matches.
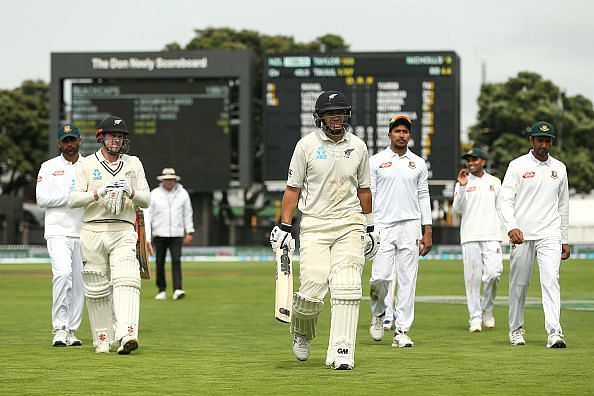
(168, 174)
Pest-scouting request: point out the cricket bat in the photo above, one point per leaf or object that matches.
(141, 251)
(284, 285)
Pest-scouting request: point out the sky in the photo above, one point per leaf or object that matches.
(552, 38)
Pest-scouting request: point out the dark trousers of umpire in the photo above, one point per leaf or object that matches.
(174, 244)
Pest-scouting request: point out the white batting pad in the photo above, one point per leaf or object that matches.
(126, 304)
(305, 315)
(99, 303)
(343, 331)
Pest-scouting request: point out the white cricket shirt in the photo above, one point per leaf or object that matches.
(399, 187)
(55, 178)
(534, 198)
(94, 172)
(328, 174)
(476, 201)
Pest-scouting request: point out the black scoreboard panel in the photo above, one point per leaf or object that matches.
(423, 85)
(179, 123)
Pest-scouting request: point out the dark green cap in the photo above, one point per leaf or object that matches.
(475, 152)
(67, 129)
(542, 128)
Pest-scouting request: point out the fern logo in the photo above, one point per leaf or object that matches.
(321, 153)
(96, 174)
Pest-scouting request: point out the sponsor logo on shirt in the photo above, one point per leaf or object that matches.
(347, 153)
(290, 172)
(554, 174)
(528, 175)
(97, 174)
(39, 179)
(385, 165)
(491, 187)
(72, 185)
(412, 165)
(471, 189)
(321, 153)
(59, 172)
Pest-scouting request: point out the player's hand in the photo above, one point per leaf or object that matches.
(280, 236)
(188, 239)
(123, 184)
(114, 201)
(565, 252)
(372, 243)
(462, 177)
(425, 243)
(516, 236)
(101, 191)
(149, 248)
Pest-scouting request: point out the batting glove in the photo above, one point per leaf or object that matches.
(372, 243)
(280, 236)
(123, 184)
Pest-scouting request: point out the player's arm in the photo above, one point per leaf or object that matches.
(48, 197)
(78, 195)
(459, 192)
(564, 214)
(425, 206)
(289, 204)
(188, 214)
(505, 204)
(141, 193)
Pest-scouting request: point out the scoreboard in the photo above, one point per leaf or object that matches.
(182, 123)
(423, 85)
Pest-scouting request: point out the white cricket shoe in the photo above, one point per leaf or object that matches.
(387, 324)
(178, 294)
(60, 337)
(301, 348)
(103, 343)
(71, 339)
(488, 319)
(161, 296)
(475, 325)
(516, 337)
(401, 339)
(128, 344)
(555, 340)
(376, 329)
(341, 363)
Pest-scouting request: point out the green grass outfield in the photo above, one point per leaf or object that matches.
(223, 339)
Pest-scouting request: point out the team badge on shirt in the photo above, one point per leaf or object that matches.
(39, 179)
(412, 165)
(97, 174)
(491, 187)
(347, 153)
(554, 174)
(321, 153)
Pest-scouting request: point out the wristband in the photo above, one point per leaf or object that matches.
(285, 227)
(369, 220)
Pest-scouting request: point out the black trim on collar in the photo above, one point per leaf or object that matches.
(113, 172)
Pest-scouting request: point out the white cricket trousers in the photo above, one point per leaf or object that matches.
(399, 247)
(548, 256)
(482, 263)
(67, 283)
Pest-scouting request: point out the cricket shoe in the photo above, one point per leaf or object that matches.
(71, 339)
(178, 294)
(401, 339)
(376, 329)
(555, 340)
(340, 363)
(488, 319)
(60, 338)
(387, 324)
(516, 337)
(301, 348)
(103, 342)
(161, 296)
(475, 325)
(128, 344)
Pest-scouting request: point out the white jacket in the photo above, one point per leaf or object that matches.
(54, 181)
(171, 212)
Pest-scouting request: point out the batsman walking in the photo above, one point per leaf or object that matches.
(329, 182)
(110, 185)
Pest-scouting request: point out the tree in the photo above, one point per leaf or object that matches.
(507, 110)
(24, 124)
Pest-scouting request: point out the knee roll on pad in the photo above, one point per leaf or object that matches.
(345, 282)
(127, 281)
(96, 285)
(305, 315)
(126, 272)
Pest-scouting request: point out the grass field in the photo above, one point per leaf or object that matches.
(223, 339)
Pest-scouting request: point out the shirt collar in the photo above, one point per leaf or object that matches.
(102, 158)
(537, 161)
(393, 154)
(66, 162)
(323, 136)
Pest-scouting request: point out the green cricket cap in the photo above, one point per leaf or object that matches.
(475, 152)
(65, 130)
(542, 128)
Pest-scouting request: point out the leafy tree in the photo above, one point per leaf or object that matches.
(24, 124)
(507, 110)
